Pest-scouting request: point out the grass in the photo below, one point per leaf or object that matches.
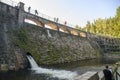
(115, 52)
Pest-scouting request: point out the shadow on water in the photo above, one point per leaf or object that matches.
(79, 66)
(83, 63)
(25, 75)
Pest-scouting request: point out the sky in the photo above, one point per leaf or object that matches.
(75, 12)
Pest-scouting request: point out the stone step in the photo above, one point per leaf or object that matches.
(90, 75)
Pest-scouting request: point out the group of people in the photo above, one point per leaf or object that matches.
(109, 73)
(55, 19)
(36, 12)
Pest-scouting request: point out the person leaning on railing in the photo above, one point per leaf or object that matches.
(115, 72)
(107, 73)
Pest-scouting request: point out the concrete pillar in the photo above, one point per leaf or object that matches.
(21, 5)
(43, 24)
(21, 15)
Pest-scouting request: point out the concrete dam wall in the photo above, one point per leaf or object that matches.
(47, 46)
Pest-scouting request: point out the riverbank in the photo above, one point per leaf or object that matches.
(111, 56)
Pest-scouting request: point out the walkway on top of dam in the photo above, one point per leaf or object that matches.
(22, 13)
(42, 20)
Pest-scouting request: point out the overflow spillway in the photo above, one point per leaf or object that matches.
(60, 74)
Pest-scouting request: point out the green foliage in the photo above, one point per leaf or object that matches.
(110, 26)
(88, 25)
(118, 12)
(20, 38)
(22, 35)
(115, 52)
(78, 27)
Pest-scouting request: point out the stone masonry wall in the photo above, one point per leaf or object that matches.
(47, 46)
(10, 55)
(50, 46)
(107, 44)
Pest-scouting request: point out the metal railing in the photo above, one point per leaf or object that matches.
(116, 72)
(10, 2)
(32, 11)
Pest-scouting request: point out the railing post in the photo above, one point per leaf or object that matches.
(115, 72)
(116, 78)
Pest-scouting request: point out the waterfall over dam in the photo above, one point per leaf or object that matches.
(61, 74)
(57, 45)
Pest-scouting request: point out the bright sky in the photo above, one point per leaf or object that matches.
(76, 12)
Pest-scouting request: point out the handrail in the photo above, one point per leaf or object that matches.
(10, 2)
(116, 74)
(32, 11)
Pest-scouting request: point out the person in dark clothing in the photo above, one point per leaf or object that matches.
(29, 9)
(107, 73)
(36, 12)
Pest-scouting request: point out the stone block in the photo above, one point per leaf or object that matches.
(4, 67)
(90, 75)
(12, 67)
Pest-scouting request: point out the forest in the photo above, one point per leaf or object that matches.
(108, 26)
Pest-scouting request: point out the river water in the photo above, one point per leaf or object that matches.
(66, 71)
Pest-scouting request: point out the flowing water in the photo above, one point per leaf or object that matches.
(61, 74)
(48, 32)
(66, 71)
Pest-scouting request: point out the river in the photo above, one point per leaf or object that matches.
(66, 71)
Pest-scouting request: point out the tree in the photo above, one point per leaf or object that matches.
(78, 27)
(109, 26)
(118, 12)
(88, 26)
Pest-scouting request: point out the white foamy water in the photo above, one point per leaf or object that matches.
(61, 74)
(32, 62)
(48, 32)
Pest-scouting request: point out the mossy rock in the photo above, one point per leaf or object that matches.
(4, 67)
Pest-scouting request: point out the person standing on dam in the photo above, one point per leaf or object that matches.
(29, 9)
(36, 12)
(107, 73)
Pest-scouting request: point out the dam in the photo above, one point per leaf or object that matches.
(58, 44)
